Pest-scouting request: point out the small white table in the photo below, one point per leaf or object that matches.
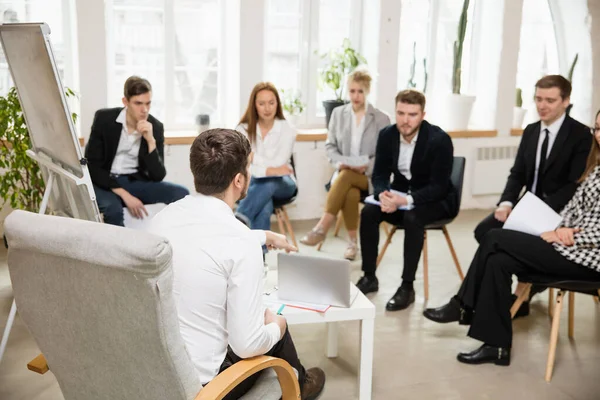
(362, 310)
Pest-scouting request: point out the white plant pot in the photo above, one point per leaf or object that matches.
(452, 112)
(518, 117)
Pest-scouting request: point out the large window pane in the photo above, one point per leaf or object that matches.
(48, 11)
(538, 51)
(138, 43)
(176, 48)
(283, 36)
(414, 36)
(197, 43)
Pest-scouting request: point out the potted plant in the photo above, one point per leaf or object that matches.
(338, 64)
(22, 185)
(518, 110)
(570, 78)
(454, 111)
(412, 83)
(292, 105)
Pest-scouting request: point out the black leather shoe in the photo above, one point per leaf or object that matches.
(450, 312)
(368, 284)
(486, 354)
(523, 311)
(402, 299)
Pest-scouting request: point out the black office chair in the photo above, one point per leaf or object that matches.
(554, 310)
(457, 177)
(285, 227)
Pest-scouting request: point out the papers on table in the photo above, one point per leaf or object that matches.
(356, 161)
(531, 215)
(272, 302)
(371, 200)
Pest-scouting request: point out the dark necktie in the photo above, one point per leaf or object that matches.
(539, 189)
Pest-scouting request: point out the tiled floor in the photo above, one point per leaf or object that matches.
(414, 358)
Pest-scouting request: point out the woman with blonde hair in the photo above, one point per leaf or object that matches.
(570, 252)
(272, 139)
(350, 146)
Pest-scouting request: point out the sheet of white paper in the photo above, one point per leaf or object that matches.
(357, 161)
(272, 301)
(371, 200)
(531, 215)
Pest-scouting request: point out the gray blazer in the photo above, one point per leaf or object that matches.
(339, 136)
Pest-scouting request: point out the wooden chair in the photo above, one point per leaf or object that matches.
(285, 227)
(457, 177)
(564, 287)
(98, 300)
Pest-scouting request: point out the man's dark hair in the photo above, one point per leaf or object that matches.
(216, 157)
(134, 86)
(411, 96)
(557, 81)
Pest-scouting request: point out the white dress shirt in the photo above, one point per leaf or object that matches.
(405, 159)
(274, 150)
(553, 129)
(128, 150)
(357, 131)
(218, 281)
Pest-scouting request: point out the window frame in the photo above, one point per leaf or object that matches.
(169, 120)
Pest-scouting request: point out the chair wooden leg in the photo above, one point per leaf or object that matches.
(338, 224)
(286, 221)
(386, 228)
(571, 314)
(425, 267)
(279, 216)
(522, 296)
(554, 336)
(550, 302)
(385, 246)
(454, 257)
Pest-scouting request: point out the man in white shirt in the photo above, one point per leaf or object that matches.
(551, 158)
(419, 156)
(218, 268)
(125, 156)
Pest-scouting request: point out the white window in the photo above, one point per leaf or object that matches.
(413, 46)
(442, 47)
(538, 51)
(296, 33)
(56, 14)
(176, 45)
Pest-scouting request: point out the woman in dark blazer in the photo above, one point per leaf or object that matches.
(571, 252)
(351, 141)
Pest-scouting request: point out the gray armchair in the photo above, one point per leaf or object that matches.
(98, 301)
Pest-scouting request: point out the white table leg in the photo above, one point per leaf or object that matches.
(332, 340)
(9, 324)
(365, 377)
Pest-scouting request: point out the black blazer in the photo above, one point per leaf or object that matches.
(564, 165)
(430, 167)
(102, 146)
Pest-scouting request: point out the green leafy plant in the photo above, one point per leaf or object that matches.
(412, 83)
(458, 48)
(338, 64)
(572, 69)
(22, 185)
(519, 98)
(291, 102)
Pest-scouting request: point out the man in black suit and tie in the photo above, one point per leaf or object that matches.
(564, 144)
(125, 156)
(550, 159)
(419, 156)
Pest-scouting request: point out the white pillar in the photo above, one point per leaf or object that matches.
(509, 56)
(389, 38)
(594, 9)
(252, 40)
(91, 43)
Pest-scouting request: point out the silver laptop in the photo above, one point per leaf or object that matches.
(315, 280)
